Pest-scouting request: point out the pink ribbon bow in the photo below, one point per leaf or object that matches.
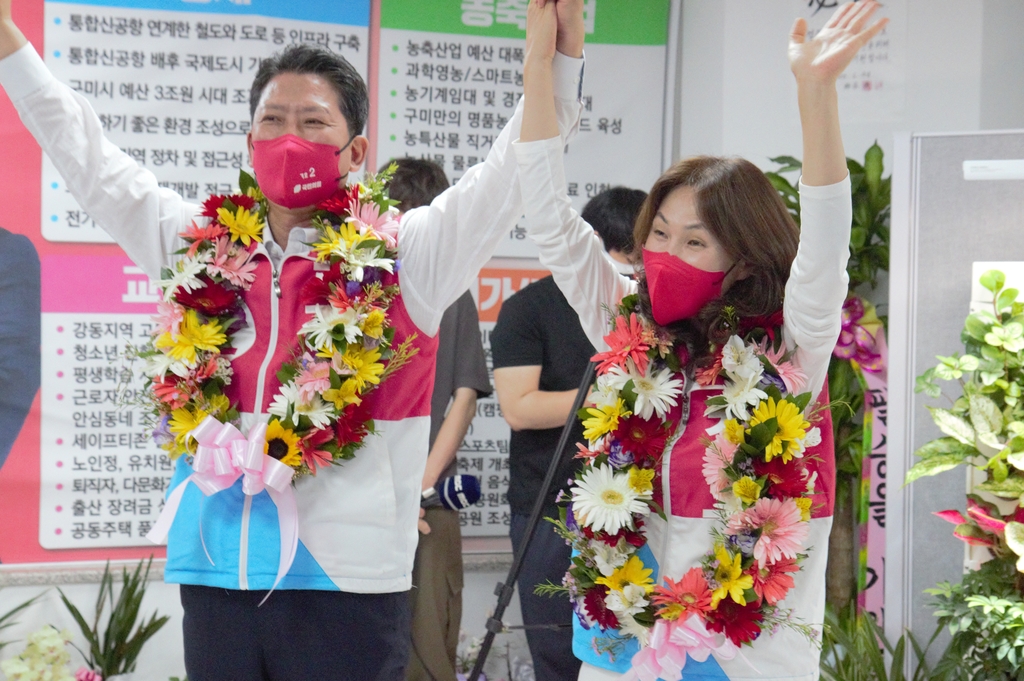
(224, 455)
(671, 641)
(858, 337)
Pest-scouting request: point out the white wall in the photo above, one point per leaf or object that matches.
(964, 71)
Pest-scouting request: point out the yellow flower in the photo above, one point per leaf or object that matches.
(219, 403)
(633, 572)
(791, 426)
(734, 432)
(747, 490)
(183, 421)
(804, 504)
(329, 242)
(282, 444)
(604, 419)
(343, 396)
(363, 365)
(729, 575)
(254, 193)
(373, 325)
(641, 480)
(193, 336)
(243, 225)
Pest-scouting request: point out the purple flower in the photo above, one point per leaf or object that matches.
(768, 379)
(743, 541)
(581, 614)
(162, 432)
(398, 265)
(352, 288)
(570, 519)
(371, 275)
(618, 457)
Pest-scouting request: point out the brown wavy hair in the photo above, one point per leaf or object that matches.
(738, 205)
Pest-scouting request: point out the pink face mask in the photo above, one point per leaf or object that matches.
(678, 290)
(293, 172)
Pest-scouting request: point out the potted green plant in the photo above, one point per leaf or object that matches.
(983, 427)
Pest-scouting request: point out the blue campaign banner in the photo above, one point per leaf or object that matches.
(347, 12)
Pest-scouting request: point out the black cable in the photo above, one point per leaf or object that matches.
(505, 589)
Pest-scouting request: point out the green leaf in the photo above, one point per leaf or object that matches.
(246, 181)
(1006, 298)
(993, 280)
(952, 425)
(945, 446)
(1015, 540)
(978, 324)
(985, 415)
(873, 168)
(788, 163)
(1010, 488)
(933, 466)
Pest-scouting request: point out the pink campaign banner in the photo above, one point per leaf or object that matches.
(105, 284)
(872, 541)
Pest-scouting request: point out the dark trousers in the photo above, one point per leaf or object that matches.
(295, 635)
(547, 559)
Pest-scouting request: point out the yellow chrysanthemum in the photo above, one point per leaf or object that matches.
(729, 575)
(243, 225)
(633, 572)
(282, 444)
(734, 432)
(747, 490)
(219, 404)
(804, 504)
(604, 419)
(329, 242)
(192, 337)
(791, 426)
(363, 364)
(373, 325)
(254, 193)
(343, 396)
(641, 480)
(183, 421)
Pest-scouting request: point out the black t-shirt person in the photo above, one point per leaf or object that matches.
(537, 327)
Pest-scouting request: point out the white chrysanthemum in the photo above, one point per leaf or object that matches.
(739, 360)
(358, 258)
(185, 275)
(602, 500)
(607, 388)
(630, 627)
(812, 439)
(656, 392)
(286, 396)
(608, 558)
(325, 321)
(730, 503)
(158, 365)
(631, 600)
(316, 410)
(740, 395)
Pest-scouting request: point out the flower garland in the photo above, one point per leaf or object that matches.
(342, 353)
(754, 465)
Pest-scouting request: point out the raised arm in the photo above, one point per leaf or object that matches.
(11, 37)
(818, 281)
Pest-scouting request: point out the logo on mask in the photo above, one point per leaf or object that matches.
(289, 170)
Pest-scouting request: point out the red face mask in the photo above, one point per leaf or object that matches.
(678, 290)
(293, 172)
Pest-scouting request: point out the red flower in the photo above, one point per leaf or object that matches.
(688, 596)
(341, 201)
(784, 479)
(645, 438)
(211, 205)
(212, 300)
(739, 623)
(633, 537)
(315, 291)
(709, 375)
(772, 582)
(243, 201)
(626, 341)
(312, 455)
(170, 393)
(351, 427)
(593, 603)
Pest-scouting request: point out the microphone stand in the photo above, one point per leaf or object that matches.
(504, 590)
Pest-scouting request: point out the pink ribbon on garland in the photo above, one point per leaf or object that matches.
(858, 337)
(671, 641)
(224, 455)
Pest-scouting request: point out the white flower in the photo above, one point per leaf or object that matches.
(605, 501)
(608, 558)
(185, 275)
(629, 601)
(739, 360)
(358, 258)
(224, 371)
(812, 439)
(608, 387)
(158, 365)
(630, 627)
(325, 321)
(285, 397)
(730, 503)
(655, 392)
(316, 410)
(741, 394)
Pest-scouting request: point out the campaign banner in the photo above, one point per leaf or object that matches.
(451, 74)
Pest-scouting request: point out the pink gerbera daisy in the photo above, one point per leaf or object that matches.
(234, 264)
(782, 532)
(717, 458)
(773, 582)
(792, 376)
(198, 235)
(313, 380)
(626, 341)
(368, 217)
(168, 317)
(689, 596)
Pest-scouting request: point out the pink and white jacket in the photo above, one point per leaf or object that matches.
(814, 297)
(357, 521)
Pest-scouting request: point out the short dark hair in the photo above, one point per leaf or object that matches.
(612, 214)
(306, 59)
(416, 182)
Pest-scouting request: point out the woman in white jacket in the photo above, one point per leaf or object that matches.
(734, 319)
